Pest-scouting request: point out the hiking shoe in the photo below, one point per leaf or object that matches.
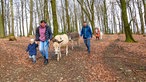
(33, 62)
(88, 52)
(46, 62)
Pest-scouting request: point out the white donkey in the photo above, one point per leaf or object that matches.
(58, 42)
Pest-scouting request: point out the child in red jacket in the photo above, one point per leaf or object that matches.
(97, 33)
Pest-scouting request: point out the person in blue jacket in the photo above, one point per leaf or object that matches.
(86, 33)
(32, 50)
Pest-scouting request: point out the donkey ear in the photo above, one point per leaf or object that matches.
(60, 41)
(54, 40)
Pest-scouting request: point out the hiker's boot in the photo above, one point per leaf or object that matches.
(88, 52)
(46, 62)
(44, 59)
(34, 61)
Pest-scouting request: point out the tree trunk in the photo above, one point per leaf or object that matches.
(31, 19)
(26, 18)
(22, 19)
(12, 37)
(89, 11)
(75, 13)
(12, 16)
(127, 29)
(46, 13)
(2, 31)
(20, 28)
(9, 20)
(114, 29)
(67, 16)
(141, 16)
(82, 15)
(63, 17)
(55, 22)
(105, 18)
(144, 3)
(38, 10)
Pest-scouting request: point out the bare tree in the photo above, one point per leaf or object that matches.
(75, 14)
(88, 8)
(67, 15)
(2, 31)
(63, 17)
(22, 17)
(139, 4)
(12, 36)
(55, 22)
(128, 32)
(31, 19)
(46, 12)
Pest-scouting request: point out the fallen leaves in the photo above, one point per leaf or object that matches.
(110, 60)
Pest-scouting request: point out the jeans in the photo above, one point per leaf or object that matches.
(87, 43)
(43, 47)
(33, 57)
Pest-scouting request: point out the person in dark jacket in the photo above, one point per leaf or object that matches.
(44, 35)
(32, 50)
(86, 33)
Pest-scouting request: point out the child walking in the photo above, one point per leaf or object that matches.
(32, 50)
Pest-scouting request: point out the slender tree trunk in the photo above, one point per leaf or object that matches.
(67, 16)
(19, 25)
(82, 15)
(38, 10)
(12, 36)
(127, 29)
(75, 13)
(12, 16)
(144, 3)
(63, 17)
(105, 18)
(26, 18)
(46, 12)
(2, 31)
(55, 22)
(9, 24)
(41, 10)
(141, 16)
(89, 11)
(92, 12)
(114, 18)
(31, 18)
(135, 24)
(9, 19)
(131, 17)
(22, 19)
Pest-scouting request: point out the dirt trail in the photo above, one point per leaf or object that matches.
(110, 61)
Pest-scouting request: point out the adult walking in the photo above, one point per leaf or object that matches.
(86, 33)
(44, 34)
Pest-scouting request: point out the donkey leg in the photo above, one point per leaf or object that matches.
(60, 54)
(72, 44)
(67, 50)
(58, 57)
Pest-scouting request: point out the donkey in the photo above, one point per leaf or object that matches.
(74, 36)
(58, 42)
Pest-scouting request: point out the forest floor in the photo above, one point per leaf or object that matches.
(111, 60)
